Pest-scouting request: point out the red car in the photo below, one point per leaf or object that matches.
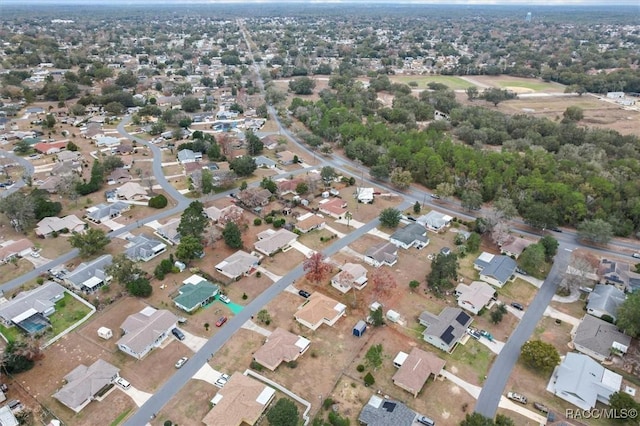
(221, 321)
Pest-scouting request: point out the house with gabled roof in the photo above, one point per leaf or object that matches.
(196, 292)
(73, 156)
(514, 246)
(599, 339)
(84, 384)
(48, 148)
(494, 269)
(335, 207)
(103, 212)
(90, 276)
(11, 249)
(271, 242)
(619, 274)
(582, 381)
(435, 221)
(445, 330)
(385, 253)
(319, 309)
(241, 401)
(255, 197)
(285, 157)
(309, 222)
(281, 346)
(144, 248)
(146, 330)
(265, 162)
(415, 369)
(7, 418)
(238, 264)
(351, 275)
(221, 217)
(605, 300)
(119, 175)
(29, 310)
(132, 191)
(188, 156)
(386, 412)
(475, 296)
(412, 235)
(106, 141)
(169, 231)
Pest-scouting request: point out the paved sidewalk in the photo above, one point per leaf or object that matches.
(250, 325)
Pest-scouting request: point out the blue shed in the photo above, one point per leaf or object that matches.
(359, 328)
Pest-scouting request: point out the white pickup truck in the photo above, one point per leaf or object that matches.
(517, 397)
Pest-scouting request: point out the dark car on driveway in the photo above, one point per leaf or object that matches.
(517, 306)
(304, 294)
(178, 333)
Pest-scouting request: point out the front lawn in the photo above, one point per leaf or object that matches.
(473, 355)
(69, 310)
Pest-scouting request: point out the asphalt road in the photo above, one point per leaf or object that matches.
(28, 170)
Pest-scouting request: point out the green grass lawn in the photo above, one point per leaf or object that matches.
(533, 84)
(10, 333)
(473, 354)
(68, 311)
(121, 417)
(454, 83)
(519, 291)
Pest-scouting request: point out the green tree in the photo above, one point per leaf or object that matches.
(444, 271)
(158, 202)
(369, 380)
(111, 162)
(377, 317)
(502, 420)
(114, 108)
(140, 287)
(193, 221)
(472, 93)
(302, 86)
(540, 356)
(390, 217)
(550, 245)
(495, 95)
(302, 188)
(476, 419)
(532, 258)
(72, 146)
(232, 235)
(445, 190)
(629, 315)
(573, 113)
(206, 183)
(254, 144)
(471, 199)
(374, 356)
(328, 174)
(243, 166)
(416, 207)
(269, 185)
(539, 215)
(623, 402)
(597, 231)
(473, 242)
(189, 248)
(93, 241)
(283, 413)
(400, 178)
(190, 104)
(123, 269)
(264, 316)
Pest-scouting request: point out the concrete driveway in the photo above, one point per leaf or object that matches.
(207, 374)
(37, 261)
(138, 396)
(112, 224)
(194, 343)
(302, 248)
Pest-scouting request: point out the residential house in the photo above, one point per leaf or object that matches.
(319, 309)
(103, 212)
(49, 148)
(90, 276)
(271, 242)
(416, 369)
(221, 217)
(29, 309)
(7, 418)
(11, 249)
(444, 331)
(364, 195)
(118, 175)
(280, 346)
(619, 274)
(146, 330)
(285, 157)
(385, 253)
(66, 168)
(107, 141)
(169, 231)
(598, 338)
(309, 222)
(514, 246)
(84, 384)
(132, 191)
(435, 221)
(288, 186)
(143, 248)
(352, 275)
(241, 401)
(50, 184)
(335, 207)
(72, 156)
(475, 296)
(255, 197)
(264, 162)
(605, 300)
(412, 235)
(196, 292)
(386, 412)
(238, 264)
(49, 225)
(188, 156)
(123, 149)
(582, 381)
(496, 270)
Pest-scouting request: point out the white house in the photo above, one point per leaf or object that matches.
(146, 330)
(475, 296)
(352, 275)
(319, 309)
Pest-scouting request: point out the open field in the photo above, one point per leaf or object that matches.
(515, 83)
(454, 83)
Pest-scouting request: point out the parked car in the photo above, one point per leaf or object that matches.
(521, 271)
(181, 361)
(556, 229)
(517, 397)
(474, 333)
(425, 421)
(436, 196)
(517, 306)
(221, 321)
(541, 407)
(178, 333)
(222, 380)
(123, 383)
(304, 294)
(35, 254)
(224, 299)
(182, 320)
(636, 255)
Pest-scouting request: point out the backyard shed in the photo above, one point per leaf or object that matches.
(105, 333)
(393, 316)
(359, 328)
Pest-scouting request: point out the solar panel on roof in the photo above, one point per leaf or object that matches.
(447, 336)
(389, 406)
(463, 318)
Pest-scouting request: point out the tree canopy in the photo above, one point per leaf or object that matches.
(390, 217)
(193, 220)
(629, 315)
(283, 413)
(91, 242)
(540, 356)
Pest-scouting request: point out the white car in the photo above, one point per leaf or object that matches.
(181, 361)
(123, 383)
(224, 299)
(222, 380)
(35, 254)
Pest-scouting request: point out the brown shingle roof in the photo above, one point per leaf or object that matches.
(416, 369)
(281, 346)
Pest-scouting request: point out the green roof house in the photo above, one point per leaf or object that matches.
(195, 293)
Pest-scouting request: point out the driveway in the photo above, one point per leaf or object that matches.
(194, 343)
(138, 396)
(273, 277)
(378, 233)
(335, 231)
(208, 374)
(302, 248)
(37, 261)
(494, 346)
(250, 325)
(112, 224)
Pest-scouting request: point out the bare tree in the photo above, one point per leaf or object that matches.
(382, 283)
(316, 267)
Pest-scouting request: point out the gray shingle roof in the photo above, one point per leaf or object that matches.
(41, 299)
(386, 412)
(449, 326)
(606, 298)
(501, 268)
(410, 233)
(598, 335)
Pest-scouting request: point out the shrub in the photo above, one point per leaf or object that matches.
(269, 219)
(256, 366)
(292, 364)
(413, 284)
(607, 318)
(360, 368)
(258, 274)
(168, 423)
(369, 380)
(158, 202)
(244, 296)
(257, 221)
(40, 280)
(327, 403)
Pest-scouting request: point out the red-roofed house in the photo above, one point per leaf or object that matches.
(336, 207)
(49, 148)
